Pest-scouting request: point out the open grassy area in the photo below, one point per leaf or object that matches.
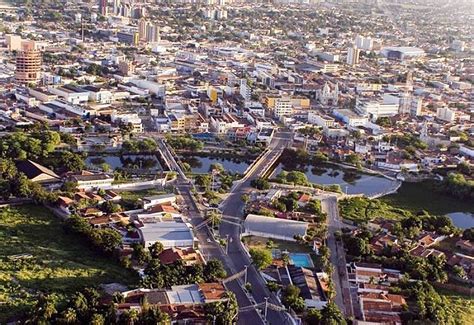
(57, 263)
(292, 247)
(130, 198)
(422, 196)
(361, 209)
(464, 303)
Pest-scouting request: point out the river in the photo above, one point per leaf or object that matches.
(200, 164)
(350, 181)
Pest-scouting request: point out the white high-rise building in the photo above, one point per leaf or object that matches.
(353, 55)
(364, 43)
(445, 114)
(152, 33)
(117, 7)
(245, 90)
(458, 45)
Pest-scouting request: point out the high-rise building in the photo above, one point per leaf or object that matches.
(130, 38)
(152, 33)
(142, 29)
(103, 7)
(458, 45)
(13, 42)
(445, 114)
(353, 55)
(126, 67)
(116, 7)
(364, 43)
(28, 63)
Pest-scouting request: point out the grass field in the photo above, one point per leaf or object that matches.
(421, 196)
(130, 198)
(59, 263)
(361, 209)
(292, 247)
(463, 302)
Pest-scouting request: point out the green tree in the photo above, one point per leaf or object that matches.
(68, 316)
(297, 178)
(97, 319)
(153, 316)
(261, 258)
(292, 299)
(331, 315)
(217, 167)
(44, 309)
(203, 181)
(71, 161)
(223, 312)
(468, 234)
(155, 249)
(214, 271)
(260, 184)
(140, 254)
(214, 218)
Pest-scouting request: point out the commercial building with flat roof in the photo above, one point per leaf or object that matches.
(276, 228)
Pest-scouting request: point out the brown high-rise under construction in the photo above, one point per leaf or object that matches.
(28, 63)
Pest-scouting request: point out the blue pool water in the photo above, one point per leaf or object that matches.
(301, 260)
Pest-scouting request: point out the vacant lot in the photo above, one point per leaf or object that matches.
(361, 209)
(54, 262)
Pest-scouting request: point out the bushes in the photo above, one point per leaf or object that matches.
(132, 146)
(184, 143)
(361, 209)
(261, 258)
(292, 299)
(456, 185)
(293, 177)
(105, 240)
(260, 184)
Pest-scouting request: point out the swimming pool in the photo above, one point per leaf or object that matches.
(301, 260)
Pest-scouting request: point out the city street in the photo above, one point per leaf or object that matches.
(236, 258)
(338, 256)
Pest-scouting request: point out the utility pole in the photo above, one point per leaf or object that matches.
(266, 309)
(245, 276)
(227, 245)
(214, 320)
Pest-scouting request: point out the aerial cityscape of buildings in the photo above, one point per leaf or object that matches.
(237, 162)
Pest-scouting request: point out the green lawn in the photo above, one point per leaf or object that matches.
(60, 263)
(361, 209)
(130, 198)
(422, 196)
(292, 247)
(464, 303)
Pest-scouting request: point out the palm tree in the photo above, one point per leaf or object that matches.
(214, 218)
(69, 316)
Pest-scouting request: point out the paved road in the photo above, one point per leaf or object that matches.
(211, 249)
(233, 207)
(338, 256)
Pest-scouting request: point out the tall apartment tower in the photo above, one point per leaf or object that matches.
(116, 7)
(152, 33)
(103, 7)
(364, 43)
(28, 63)
(142, 29)
(353, 55)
